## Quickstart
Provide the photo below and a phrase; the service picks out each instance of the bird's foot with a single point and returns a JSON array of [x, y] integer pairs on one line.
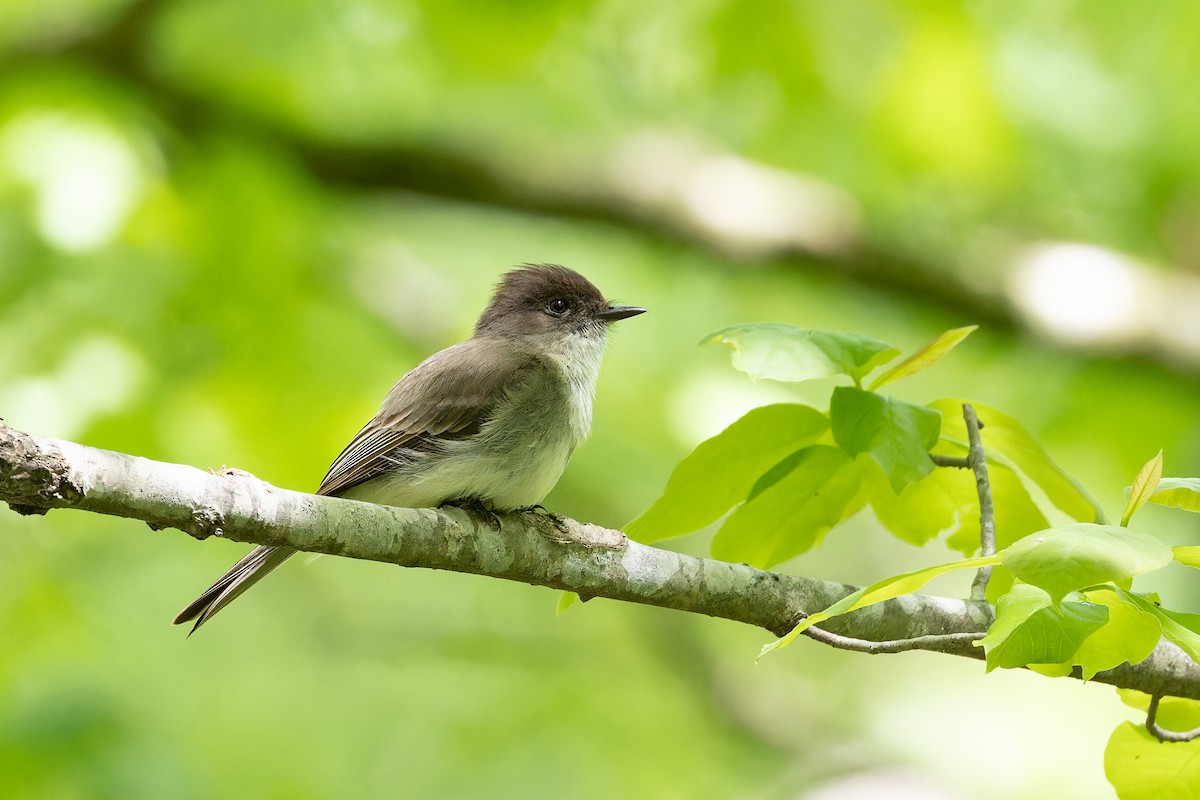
[[559, 521], [475, 506]]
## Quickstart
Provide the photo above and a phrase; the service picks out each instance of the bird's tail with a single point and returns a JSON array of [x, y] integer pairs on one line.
[[256, 565]]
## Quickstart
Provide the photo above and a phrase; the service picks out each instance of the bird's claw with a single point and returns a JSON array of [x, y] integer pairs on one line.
[[559, 521], [473, 505]]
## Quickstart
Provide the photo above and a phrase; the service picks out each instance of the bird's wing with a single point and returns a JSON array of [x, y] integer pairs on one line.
[[450, 395]]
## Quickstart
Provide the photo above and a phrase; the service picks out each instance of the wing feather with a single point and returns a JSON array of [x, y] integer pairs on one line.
[[449, 395]]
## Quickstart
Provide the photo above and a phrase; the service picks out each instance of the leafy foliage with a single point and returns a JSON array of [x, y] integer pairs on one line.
[[1142, 768], [1030, 628], [1062, 592], [789, 492]]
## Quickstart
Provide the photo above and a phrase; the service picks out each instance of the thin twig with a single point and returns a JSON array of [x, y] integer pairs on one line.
[[987, 514], [1162, 734], [958, 462], [890, 645]]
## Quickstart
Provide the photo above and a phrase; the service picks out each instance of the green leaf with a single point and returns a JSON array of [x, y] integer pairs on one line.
[[1006, 441], [1188, 556], [1029, 629], [946, 502], [1051, 670], [1140, 767], [1000, 584], [1182, 629], [787, 353], [1178, 493], [793, 513], [1134, 699], [1130, 635], [940, 503], [722, 470], [927, 356], [878, 592], [1143, 486], [565, 601], [898, 435], [1176, 627], [1072, 557]]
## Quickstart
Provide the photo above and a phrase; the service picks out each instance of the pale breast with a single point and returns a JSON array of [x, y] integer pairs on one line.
[[578, 360]]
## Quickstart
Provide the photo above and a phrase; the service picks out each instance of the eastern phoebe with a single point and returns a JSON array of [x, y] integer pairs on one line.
[[489, 421]]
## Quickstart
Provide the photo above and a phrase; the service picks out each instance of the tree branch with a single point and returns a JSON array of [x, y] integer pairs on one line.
[[37, 474]]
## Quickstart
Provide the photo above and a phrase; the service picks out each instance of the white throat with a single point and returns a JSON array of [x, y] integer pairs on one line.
[[578, 355]]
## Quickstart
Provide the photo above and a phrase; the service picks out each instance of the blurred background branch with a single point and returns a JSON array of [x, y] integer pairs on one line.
[[689, 194], [658, 185]]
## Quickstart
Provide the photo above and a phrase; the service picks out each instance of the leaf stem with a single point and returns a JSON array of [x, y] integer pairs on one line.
[[1162, 734]]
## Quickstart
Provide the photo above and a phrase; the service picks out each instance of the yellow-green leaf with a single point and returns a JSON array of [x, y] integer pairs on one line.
[[1182, 629], [565, 601], [1071, 557], [1188, 556], [1140, 767], [1130, 635], [820, 490], [927, 356], [1178, 493], [1144, 485], [722, 470], [1030, 629]]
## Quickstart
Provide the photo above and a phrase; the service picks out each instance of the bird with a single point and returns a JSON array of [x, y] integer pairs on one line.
[[489, 422]]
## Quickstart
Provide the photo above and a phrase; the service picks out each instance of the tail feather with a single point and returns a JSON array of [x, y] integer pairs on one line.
[[253, 567]]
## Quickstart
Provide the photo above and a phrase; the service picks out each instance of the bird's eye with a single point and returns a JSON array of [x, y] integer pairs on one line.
[[558, 306]]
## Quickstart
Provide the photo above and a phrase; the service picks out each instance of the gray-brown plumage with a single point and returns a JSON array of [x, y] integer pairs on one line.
[[492, 419]]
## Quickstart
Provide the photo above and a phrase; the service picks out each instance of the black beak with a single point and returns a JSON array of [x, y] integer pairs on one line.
[[614, 313]]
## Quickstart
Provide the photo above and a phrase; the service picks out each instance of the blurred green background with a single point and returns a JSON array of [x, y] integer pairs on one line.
[[227, 226]]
